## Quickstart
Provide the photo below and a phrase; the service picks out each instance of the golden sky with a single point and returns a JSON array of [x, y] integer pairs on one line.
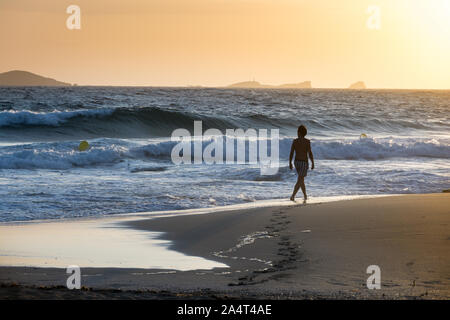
[[218, 42]]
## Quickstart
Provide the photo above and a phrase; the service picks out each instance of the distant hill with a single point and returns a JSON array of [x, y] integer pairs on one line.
[[247, 84], [358, 85], [301, 85], [24, 78], [256, 85]]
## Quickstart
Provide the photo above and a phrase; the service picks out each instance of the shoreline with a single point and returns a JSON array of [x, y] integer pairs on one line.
[[298, 251], [231, 207]]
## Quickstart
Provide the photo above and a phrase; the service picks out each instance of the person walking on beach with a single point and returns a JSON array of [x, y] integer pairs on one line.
[[302, 148]]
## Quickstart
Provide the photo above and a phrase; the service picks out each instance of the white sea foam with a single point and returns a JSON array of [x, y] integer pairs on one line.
[[55, 118], [65, 156]]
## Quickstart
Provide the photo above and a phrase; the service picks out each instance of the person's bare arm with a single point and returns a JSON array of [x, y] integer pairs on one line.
[[291, 155], [311, 155]]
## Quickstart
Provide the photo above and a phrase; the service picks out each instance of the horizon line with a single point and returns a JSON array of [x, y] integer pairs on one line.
[[229, 86], [221, 87]]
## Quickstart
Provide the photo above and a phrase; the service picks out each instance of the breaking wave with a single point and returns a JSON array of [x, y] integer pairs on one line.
[[64, 155]]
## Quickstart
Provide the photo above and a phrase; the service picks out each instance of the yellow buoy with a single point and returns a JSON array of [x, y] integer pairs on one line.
[[84, 145], [363, 135]]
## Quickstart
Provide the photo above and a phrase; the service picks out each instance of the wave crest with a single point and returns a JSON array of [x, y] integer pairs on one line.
[[141, 122], [108, 151]]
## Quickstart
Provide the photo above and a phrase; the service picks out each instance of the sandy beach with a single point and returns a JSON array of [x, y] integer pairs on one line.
[[311, 251]]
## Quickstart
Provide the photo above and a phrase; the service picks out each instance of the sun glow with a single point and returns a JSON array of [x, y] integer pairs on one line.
[[430, 21], [433, 15]]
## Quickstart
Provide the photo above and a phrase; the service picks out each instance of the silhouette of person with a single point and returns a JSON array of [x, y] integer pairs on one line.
[[302, 148]]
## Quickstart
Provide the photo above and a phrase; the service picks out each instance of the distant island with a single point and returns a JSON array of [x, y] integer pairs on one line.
[[25, 78], [358, 85], [257, 85]]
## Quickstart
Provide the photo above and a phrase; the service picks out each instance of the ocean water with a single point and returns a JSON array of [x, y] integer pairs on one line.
[[129, 169]]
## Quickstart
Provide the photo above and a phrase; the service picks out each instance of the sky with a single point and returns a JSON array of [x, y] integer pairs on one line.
[[219, 42]]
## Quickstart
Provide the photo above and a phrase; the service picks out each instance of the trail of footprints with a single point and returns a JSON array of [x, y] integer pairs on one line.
[[288, 253]]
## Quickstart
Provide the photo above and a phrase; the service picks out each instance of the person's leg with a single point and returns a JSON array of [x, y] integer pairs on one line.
[[297, 186], [302, 185]]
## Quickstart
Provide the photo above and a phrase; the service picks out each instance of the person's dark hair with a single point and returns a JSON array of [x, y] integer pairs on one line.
[[301, 132]]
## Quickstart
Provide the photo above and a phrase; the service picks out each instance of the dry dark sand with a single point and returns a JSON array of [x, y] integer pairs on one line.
[[318, 251]]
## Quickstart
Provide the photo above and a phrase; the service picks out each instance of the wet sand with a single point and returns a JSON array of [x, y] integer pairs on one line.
[[313, 251]]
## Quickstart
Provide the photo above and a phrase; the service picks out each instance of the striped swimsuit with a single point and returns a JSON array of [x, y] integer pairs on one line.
[[302, 167]]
